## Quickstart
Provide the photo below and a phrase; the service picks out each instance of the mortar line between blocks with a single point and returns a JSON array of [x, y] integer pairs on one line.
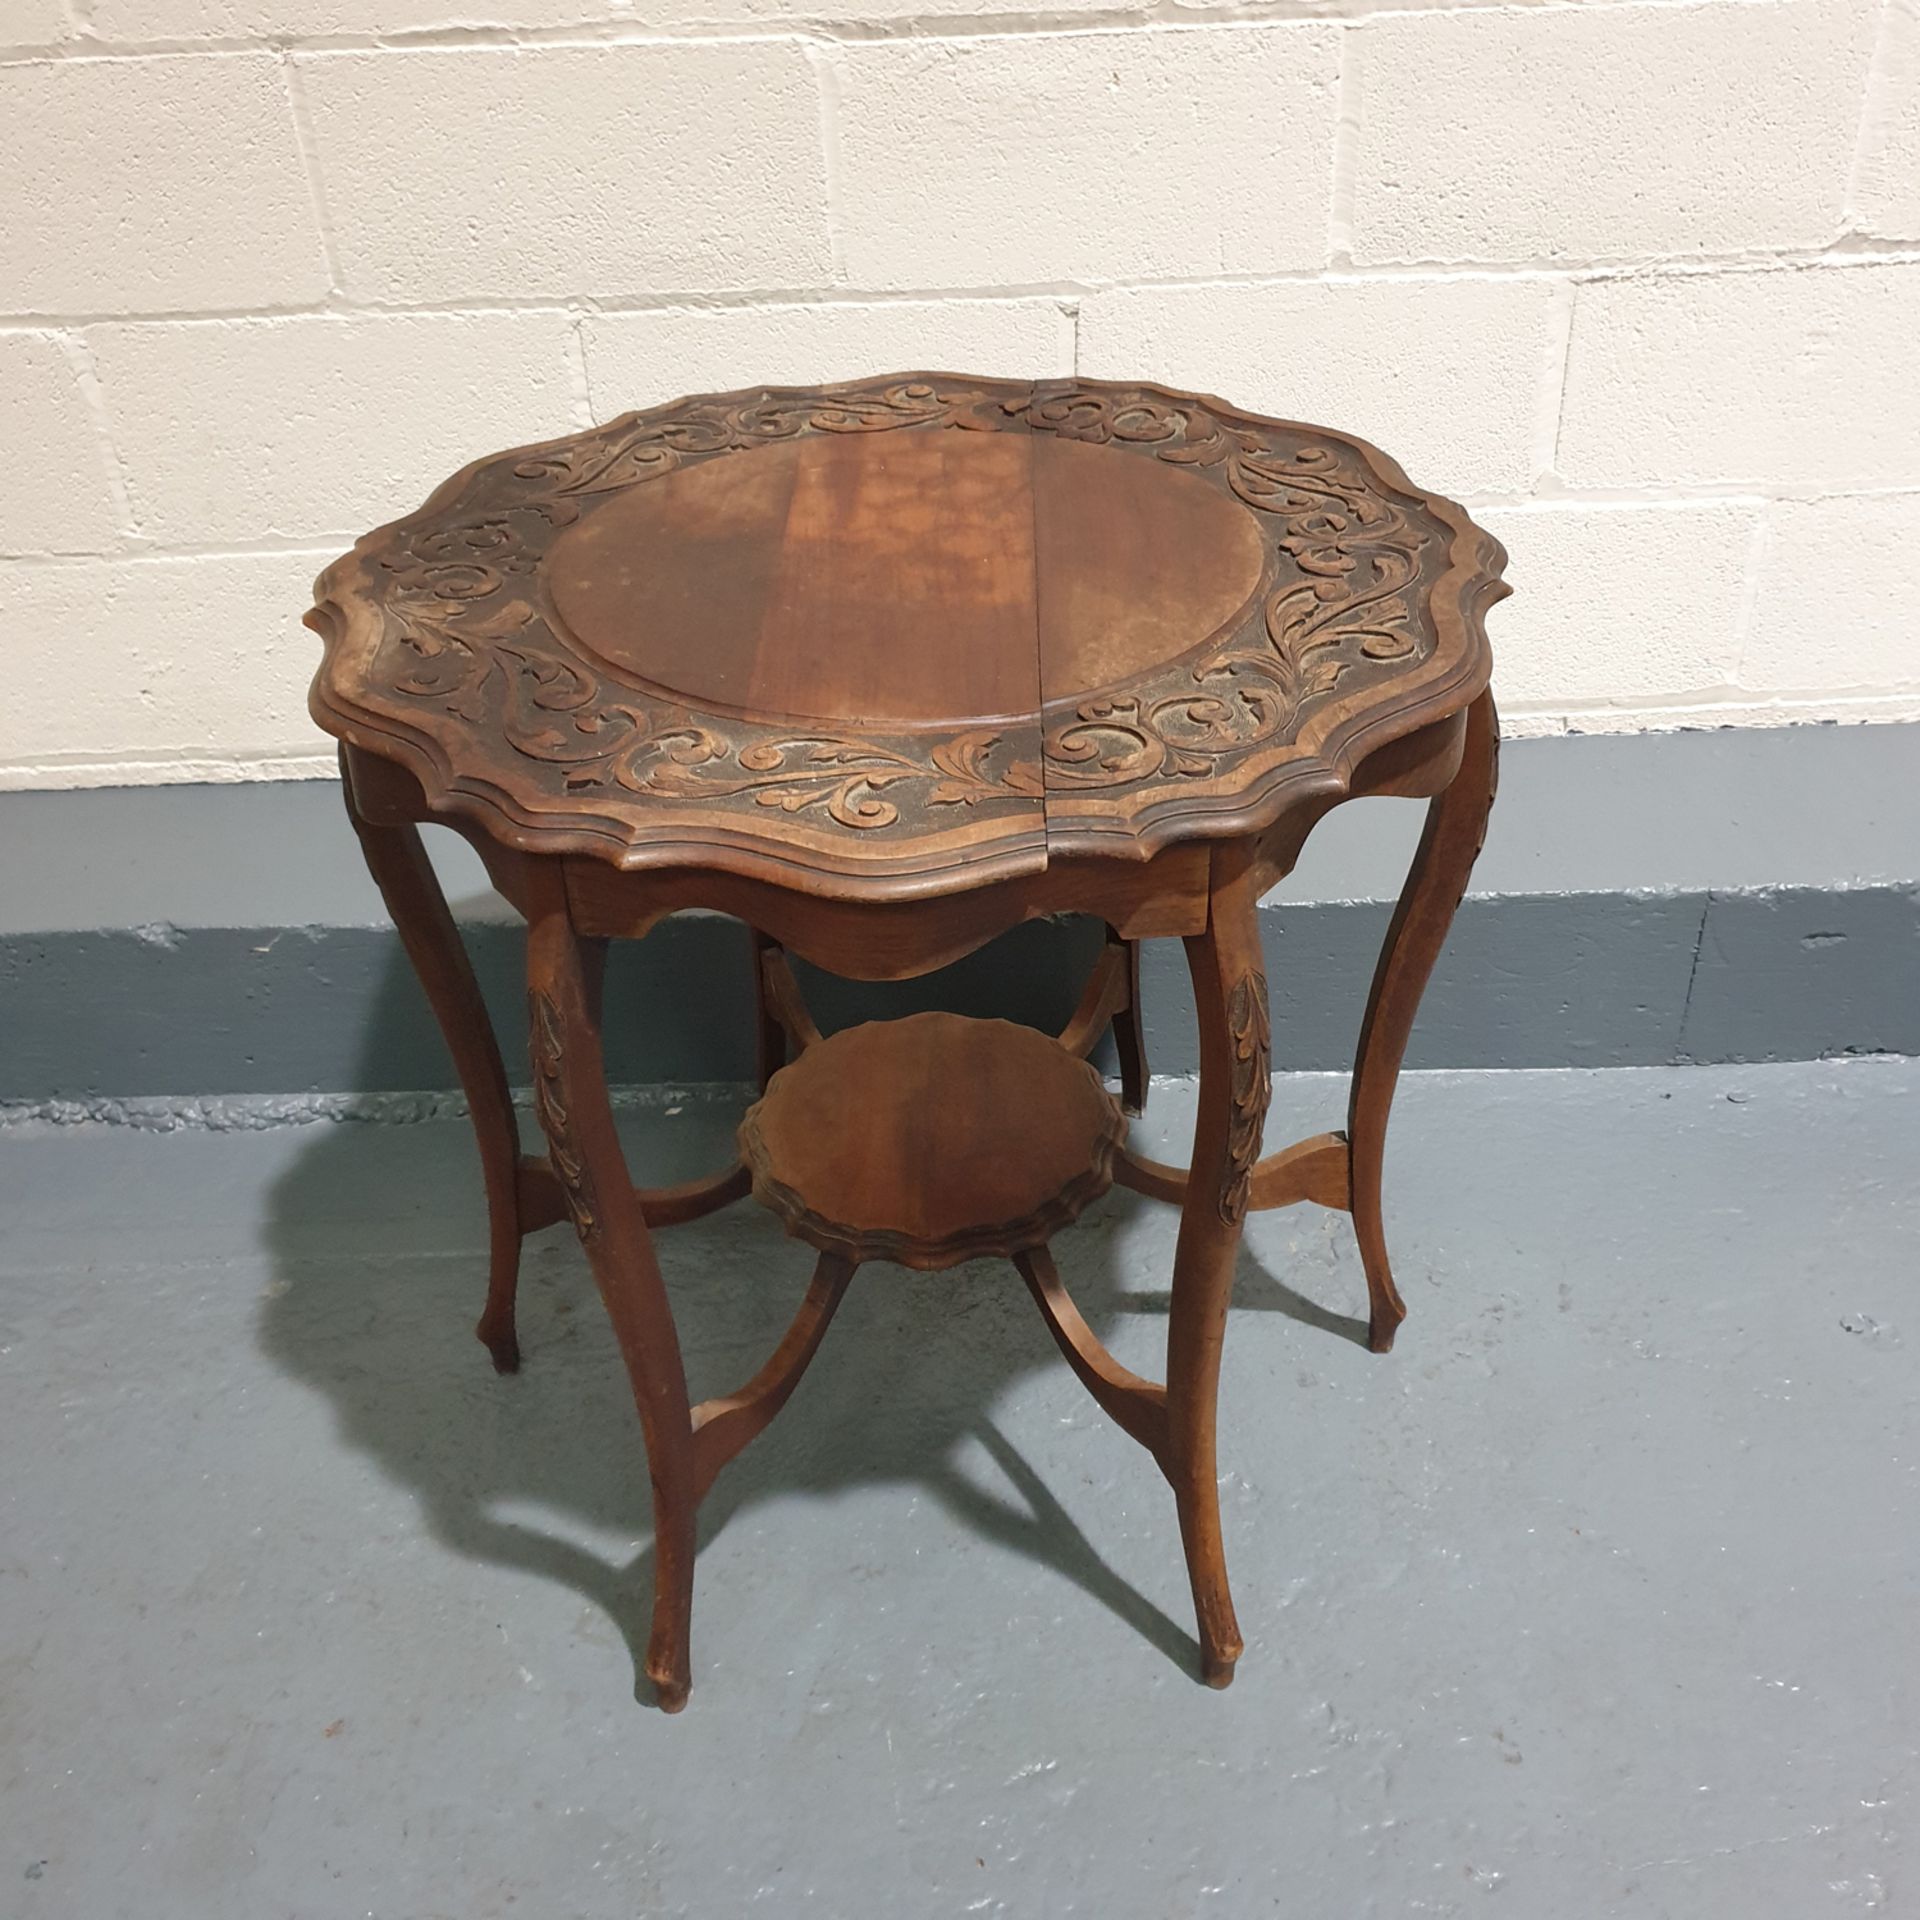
[[86, 378], [1759, 547], [323, 542], [1346, 152], [1550, 406], [1553, 719], [621, 26], [1842, 257], [826, 94], [62, 775], [1875, 88], [579, 370], [151, 553], [310, 165]]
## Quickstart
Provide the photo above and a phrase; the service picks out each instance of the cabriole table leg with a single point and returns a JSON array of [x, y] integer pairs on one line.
[[1230, 995], [564, 975], [1456, 827], [1129, 1032], [769, 1036], [405, 877]]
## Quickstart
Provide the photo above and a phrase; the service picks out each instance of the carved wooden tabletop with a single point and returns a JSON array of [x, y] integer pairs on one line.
[[905, 636], [882, 670]]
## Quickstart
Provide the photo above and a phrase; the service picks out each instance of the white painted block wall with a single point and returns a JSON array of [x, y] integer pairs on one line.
[[1639, 282]]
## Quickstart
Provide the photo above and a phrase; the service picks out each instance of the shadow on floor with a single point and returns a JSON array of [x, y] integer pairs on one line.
[[378, 1235]]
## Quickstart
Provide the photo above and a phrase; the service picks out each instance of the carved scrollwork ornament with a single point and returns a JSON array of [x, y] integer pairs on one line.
[[1250, 1087], [461, 660], [550, 1102], [1343, 592]]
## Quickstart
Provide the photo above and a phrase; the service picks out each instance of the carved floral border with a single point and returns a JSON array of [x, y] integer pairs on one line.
[[1351, 599], [464, 634]]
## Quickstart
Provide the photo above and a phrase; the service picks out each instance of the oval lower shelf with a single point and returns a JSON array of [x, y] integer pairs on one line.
[[932, 1140]]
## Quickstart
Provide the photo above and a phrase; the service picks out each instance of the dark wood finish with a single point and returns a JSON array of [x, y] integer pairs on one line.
[[769, 1032], [931, 1140], [1165, 897], [782, 1003], [542, 1200], [412, 893], [827, 550], [1455, 831], [1107, 991], [1136, 1405], [723, 1426], [1111, 999], [1314, 1169], [1230, 998], [564, 979], [883, 670], [689, 1200], [1172, 619], [1129, 1031]]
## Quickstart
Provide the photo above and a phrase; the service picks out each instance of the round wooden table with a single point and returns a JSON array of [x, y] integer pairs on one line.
[[882, 670]]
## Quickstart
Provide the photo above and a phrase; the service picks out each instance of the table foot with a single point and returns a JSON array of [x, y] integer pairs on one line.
[[499, 1336], [670, 1694], [1198, 1506], [1456, 827], [669, 1661], [1217, 1670]]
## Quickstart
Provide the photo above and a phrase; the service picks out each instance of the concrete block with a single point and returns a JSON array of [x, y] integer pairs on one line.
[[321, 425], [1798, 379], [1794, 975], [1838, 597], [601, 170], [298, 19], [130, 670], [1887, 198], [1040, 158], [53, 483], [252, 1010], [143, 185], [1443, 374], [34, 23], [1619, 604], [640, 359], [1579, 980], [1606, 132]]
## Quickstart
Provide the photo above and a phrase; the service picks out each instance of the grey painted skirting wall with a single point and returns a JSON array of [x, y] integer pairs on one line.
[[1721, 897]]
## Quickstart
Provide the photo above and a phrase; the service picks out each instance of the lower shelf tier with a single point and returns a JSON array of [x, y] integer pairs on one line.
[[932, 1140]]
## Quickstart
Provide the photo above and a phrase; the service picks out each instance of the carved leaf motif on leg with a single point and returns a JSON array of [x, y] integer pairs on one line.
[[1249, 1031], [550, 1102]]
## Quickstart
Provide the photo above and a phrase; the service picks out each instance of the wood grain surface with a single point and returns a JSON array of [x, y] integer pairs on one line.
[[932, 1140], [904, 636]]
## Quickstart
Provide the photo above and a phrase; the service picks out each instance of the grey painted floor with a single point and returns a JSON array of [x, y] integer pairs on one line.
[[1594, 1599]]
